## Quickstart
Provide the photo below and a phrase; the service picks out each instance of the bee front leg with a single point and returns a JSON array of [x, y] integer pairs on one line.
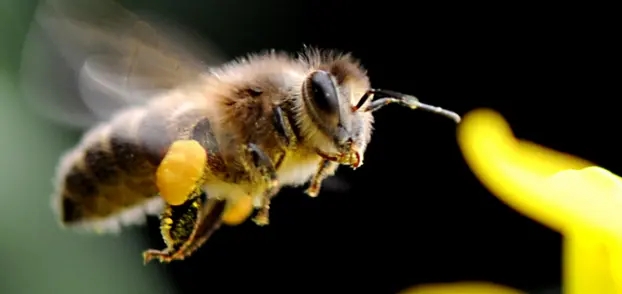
[[325, 169], [283, 128], [267, 173]]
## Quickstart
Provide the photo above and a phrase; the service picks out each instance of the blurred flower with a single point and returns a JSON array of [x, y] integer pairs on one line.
[[566, 193], [461, 288]]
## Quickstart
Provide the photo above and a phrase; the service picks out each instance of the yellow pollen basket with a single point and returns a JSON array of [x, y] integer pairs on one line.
[[180, 171], [237, 212]]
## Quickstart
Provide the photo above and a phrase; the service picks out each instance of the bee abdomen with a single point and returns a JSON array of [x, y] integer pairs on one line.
[[108, 179]]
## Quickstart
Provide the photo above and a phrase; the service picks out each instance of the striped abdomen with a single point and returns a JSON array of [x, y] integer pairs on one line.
[[109, 178]]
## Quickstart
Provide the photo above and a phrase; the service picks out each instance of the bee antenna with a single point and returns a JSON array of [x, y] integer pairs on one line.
[[388, 97]]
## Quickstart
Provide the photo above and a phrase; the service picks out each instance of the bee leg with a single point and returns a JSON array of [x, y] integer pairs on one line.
[[186, 227], [268, 174], [283, 127], [208, 224], [325, 168], [177, 226], [405, 100]]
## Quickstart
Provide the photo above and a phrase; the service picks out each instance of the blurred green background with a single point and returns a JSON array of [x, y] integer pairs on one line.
[[36, 256], [29, 149]]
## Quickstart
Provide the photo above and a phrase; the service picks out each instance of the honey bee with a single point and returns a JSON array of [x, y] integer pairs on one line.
[[193, 142]]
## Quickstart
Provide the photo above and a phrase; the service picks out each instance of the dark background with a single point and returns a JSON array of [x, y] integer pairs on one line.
[[415, 213]]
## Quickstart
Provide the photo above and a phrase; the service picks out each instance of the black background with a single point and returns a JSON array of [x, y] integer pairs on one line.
[[415, 213]]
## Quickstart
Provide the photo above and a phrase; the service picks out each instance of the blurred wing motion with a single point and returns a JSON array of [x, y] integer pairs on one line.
[[83, 60]]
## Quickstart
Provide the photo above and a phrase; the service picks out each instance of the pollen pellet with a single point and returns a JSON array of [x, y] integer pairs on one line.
[[180, 171], [237, 212]]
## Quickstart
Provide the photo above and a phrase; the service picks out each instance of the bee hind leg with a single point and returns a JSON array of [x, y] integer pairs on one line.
[[177, 226], [268, 173], [186, 227]]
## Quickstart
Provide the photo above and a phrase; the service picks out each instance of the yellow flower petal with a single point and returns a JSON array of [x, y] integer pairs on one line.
[[461, 288], [587, 265], [559, 190], [518, 173]]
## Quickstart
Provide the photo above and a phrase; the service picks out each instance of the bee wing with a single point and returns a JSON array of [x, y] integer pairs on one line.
[[84, 60]]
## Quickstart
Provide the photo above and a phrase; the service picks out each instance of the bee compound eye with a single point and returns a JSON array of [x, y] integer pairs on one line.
[[323, 92]]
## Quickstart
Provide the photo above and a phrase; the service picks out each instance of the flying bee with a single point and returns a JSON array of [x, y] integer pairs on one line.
[[194, 142]]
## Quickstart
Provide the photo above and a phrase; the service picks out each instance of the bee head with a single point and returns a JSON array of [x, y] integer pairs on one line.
[[330, 94]]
